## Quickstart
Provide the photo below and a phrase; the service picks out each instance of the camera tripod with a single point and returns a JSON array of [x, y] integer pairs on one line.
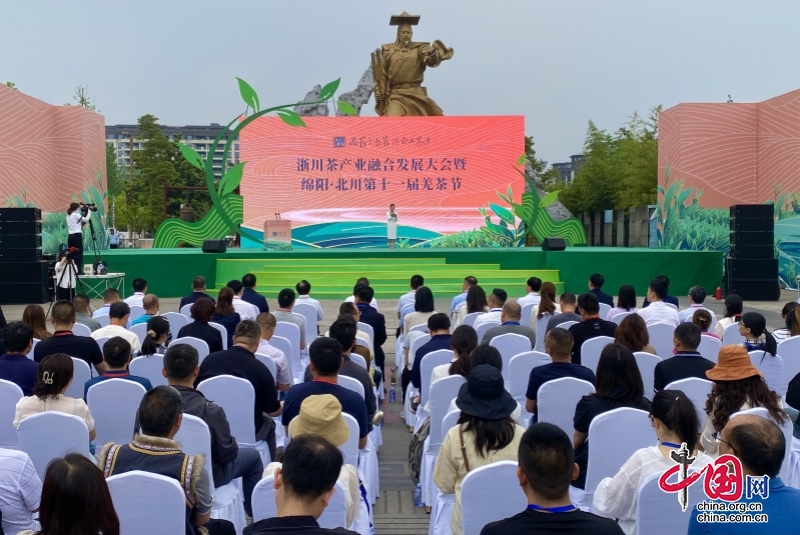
[[70, 264]]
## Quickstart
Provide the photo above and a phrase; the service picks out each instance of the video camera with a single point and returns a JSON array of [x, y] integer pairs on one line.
[[70, 253], [86, 207]]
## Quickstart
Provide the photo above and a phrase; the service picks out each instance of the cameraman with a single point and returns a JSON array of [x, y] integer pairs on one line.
[[76, 218], [66, 272]]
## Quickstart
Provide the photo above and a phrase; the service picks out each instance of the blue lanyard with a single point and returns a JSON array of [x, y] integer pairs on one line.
[[671, 445], [561, 509]]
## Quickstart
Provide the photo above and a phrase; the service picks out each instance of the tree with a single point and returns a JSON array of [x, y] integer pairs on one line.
[[114, 179], [81, 96], [551, 180], [538, 165], [12, 85]]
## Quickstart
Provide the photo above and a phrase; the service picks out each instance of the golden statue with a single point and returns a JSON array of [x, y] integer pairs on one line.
[[399, 67]]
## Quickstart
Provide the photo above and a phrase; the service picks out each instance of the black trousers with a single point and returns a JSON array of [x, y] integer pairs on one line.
[[76, 240], [217, 526]]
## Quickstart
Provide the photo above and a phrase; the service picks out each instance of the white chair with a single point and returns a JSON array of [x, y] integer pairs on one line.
[[10, 394], [450, 421], [140, 330], [269, 363], [222, 331], [80, 374], [787, 429], [176, 321], [660, 512], [80, 329], [186, 310], [33, 346], [411, 391], [772, 368], [510, 345], [150, 368], [415, 345], [617, 318], [519, 370], [647, 363], [556, 401], [789, 351], [591, 350], [334, 516], [566, 325], [148, 503], [697, 390], [731, 336], [367, 328], [358, 359], [428, 363], [709, 348], [350, 448], [103, 319], [136, 311], [52, 434], [309, 312], [291, 332], [421, 328], [469, 319], [490, 493], [195, 438], [541, 331], [525, 315], [113, 404], [200, 345], [604, 310], [100, 342], [354, 385], [483, 327], [661, 338], [361, 342]]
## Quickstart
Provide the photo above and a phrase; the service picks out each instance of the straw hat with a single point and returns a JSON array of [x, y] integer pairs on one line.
[[321, 416], [733, 364]]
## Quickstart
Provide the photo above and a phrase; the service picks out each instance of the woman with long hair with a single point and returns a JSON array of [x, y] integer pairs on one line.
[[675, 422], [547, 305], [463, 343], [423, 309], [626, 301], [485, 434], [33, 315], [753, 326], [157, 334], [225, 314], [790, 321], [75, 500], [202, 311], [619, 384], [632, 333], [476, 302], [733, 311], [702, 318], [738, 385]]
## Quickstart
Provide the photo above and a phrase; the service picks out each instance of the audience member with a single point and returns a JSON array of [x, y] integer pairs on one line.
[[469, 282], [304, 485], [510, 324], [303, 290], [75, 499], [558, 345], [697, 296], [139, 289], [670, 299], [117, 355], [374, 319], [596, 282], [362, 281], [202, 311], [761, 447], [110, 296], [408, 298], [569, 303], [286, 301], [475, 302], [532, 287], [240, 360], [687, 362], [33, 315], [225, 314], [753, 326], [463, 343], [791, 324], [151, 308], [250, 295], [228, 461], [733, 312], [626, 301], [658, 311], [619, 384], [326, 360], [423, 309], [63, 341], [675, 422], [738, 385], [245, 310], [118, 316], [15, 366], [632, 333], [283, 371], [83, 312], [496, 301], [591, 325], [153, 450], [546, 468], [547, 305], [485, 434], [53, 378], [702, 318], [155, 339], [439, 330], [20, 491], [355, 313], [198, 292]]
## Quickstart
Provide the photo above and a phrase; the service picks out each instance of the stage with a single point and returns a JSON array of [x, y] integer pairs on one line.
[[332, 272]]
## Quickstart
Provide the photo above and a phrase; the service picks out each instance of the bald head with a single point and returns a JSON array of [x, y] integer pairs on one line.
[[757, 442], [150, 303], [511, 311]]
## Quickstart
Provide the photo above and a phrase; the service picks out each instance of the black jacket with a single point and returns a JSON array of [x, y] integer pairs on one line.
[[192, 297], [205, 332], [603, 297], [254, 298], [304, 525], [375, 319]]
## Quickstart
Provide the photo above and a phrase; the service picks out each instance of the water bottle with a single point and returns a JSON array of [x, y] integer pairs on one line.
[[392, 395], [418, 495]]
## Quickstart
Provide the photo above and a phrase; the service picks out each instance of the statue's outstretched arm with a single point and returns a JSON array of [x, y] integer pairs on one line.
[[436, 53]]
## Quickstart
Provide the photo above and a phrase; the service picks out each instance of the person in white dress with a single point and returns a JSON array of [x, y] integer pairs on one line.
[[391, 226]]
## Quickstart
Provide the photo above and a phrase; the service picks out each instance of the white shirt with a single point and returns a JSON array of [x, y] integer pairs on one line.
[[20, 490], [487, 317], [311, 301], [405, 300], [687, 313], [659, 312], [373, 303], [245, 310], [135, 300], [616, 497], [65, 275], [533, 298], [110, 331], [281, 365], [74, 221]]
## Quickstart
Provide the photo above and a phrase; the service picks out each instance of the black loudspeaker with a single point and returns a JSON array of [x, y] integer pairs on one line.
[[753, 225], [20, 214], [554, 244], [23, 293], [752, 280], [748, 239], [754, 252], [745, 268], [19, 255], [752, 211], [214, 246], [24, 272], [20, 241], [9, 228]]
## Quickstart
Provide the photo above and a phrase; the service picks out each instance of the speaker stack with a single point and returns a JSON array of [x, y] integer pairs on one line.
[[751, 269], [23, 275]]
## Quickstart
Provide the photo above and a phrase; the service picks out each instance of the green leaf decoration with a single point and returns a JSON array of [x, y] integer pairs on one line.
[[550, 198], [291, 118], [346, 108], [503, 197], [248, 94], [230, 180], [329, 90], [191, 155], [510, 193], [521, 160], [503, 213], [528, 210]]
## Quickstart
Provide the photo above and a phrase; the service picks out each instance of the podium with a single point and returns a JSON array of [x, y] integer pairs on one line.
[[278, 234]]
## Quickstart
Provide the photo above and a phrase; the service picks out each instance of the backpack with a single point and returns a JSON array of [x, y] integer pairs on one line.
[[415, 449]]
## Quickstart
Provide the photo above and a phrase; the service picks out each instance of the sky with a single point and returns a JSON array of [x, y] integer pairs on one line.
[[560, 63]]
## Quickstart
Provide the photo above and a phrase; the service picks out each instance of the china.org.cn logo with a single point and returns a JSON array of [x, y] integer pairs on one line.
[[722, 479]]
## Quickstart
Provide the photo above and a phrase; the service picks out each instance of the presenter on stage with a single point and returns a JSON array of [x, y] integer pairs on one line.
[[391, 226], [75, 222]]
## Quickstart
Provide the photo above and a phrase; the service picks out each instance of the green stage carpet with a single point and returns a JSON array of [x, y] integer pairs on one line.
[[332, 272]]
